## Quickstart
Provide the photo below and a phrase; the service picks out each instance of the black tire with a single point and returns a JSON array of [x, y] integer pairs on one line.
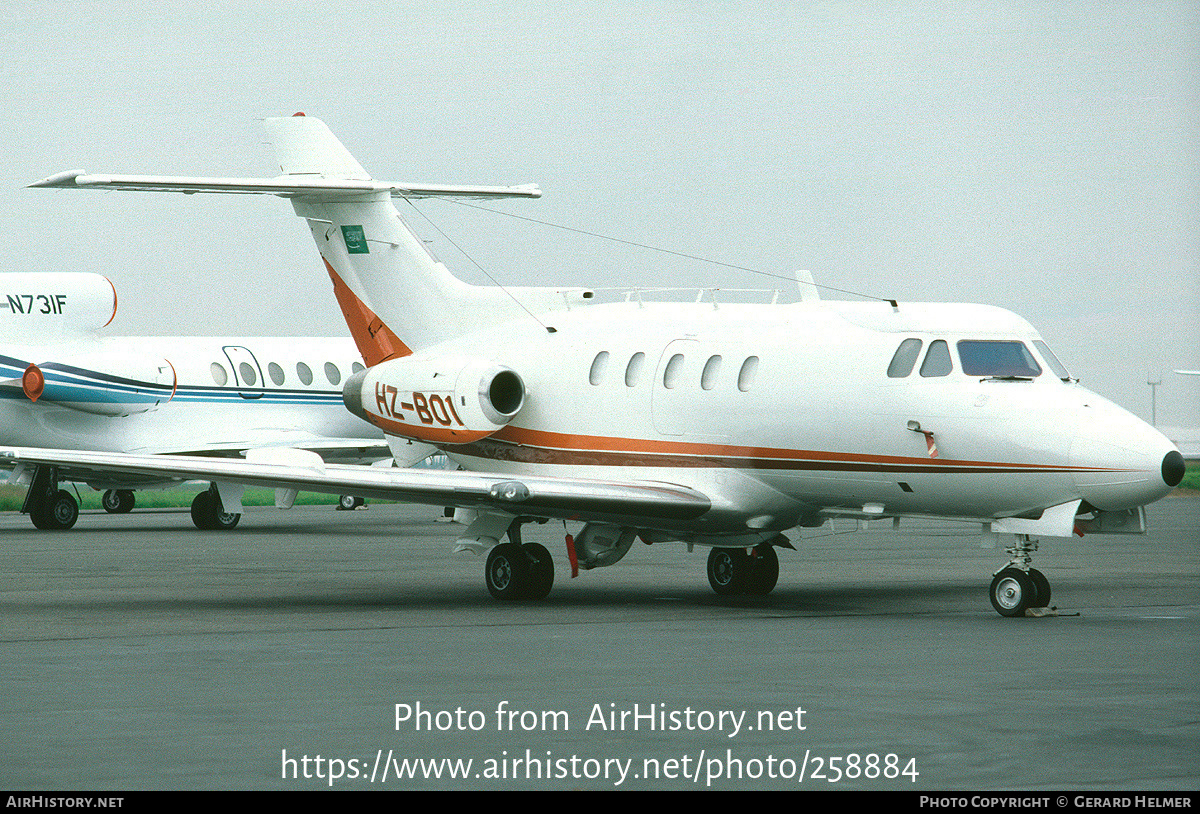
[[764, 570], [207, 514], [202, 510], [57, 512], [507, 572], [541, 570], [63, 510], [728, 570], [117, 501], [349, 503], [1042, 585], [39, 513], [1012, 592]]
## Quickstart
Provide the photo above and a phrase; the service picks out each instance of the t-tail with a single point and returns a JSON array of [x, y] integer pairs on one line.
[[397, 298]]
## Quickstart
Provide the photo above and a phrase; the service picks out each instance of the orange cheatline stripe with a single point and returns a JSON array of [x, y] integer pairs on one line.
[[375, 340], [519, 443]]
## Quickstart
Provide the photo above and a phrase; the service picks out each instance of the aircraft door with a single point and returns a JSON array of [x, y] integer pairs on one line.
[[247, 373], [668, 397]]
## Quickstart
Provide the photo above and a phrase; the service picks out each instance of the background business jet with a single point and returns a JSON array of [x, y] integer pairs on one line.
[[714, 424], [64, 384]]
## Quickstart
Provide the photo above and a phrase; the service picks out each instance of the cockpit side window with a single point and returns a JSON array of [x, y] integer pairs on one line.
[[997, 358], [937, 360], [1052, 360], [905, 358]]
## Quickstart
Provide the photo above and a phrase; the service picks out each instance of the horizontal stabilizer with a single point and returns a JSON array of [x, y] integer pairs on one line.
[[285, 186]]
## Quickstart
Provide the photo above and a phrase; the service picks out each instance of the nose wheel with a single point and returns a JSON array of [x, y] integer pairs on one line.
[[1016, 588]]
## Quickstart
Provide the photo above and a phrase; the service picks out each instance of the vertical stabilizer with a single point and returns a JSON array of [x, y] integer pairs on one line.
[[395, 297]]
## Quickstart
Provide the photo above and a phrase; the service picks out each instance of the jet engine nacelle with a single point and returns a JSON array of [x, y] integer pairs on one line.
[[49, 305], [113, 384], [443, 400]]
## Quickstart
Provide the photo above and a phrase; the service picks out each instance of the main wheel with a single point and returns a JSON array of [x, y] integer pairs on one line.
[[207, 514], [728, 570], [1012, 592], [507, 571], [764, 570], [349, 502], [117, 501], [541, 570], [58, 512]]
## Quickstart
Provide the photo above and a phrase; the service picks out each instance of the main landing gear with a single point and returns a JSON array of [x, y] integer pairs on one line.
[[118, 501], [1016, 587], [208, 514], [515, 571], [49, 507], [751, 571]]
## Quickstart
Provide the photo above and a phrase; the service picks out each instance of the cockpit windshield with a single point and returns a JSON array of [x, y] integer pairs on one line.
[[998, 358], [1052, 360]]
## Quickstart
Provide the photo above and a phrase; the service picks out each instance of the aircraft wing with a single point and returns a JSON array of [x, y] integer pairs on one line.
[[559, 498]]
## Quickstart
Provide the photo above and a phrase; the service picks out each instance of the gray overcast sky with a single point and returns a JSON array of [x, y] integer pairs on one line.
[[1040, 156]]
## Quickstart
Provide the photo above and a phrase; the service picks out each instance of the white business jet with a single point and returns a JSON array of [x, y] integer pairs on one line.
[[64, 384], [721, 425]]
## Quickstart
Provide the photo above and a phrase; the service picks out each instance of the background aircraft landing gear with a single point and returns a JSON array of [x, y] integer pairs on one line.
[[57, 512], [348, 503], [1017, 587], [117, 501], [516, 571], [50, 508], [737, 571], [207, 514]]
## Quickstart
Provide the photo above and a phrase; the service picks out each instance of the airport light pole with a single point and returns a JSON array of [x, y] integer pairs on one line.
[[1153, 399]]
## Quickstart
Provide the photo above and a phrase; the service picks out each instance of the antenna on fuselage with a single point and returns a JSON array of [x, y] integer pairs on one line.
[[807, 286]]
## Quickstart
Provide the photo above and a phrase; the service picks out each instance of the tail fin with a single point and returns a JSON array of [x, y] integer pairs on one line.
[[396, 297]]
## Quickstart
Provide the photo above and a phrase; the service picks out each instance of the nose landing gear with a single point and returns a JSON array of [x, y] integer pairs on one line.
[[1016, 587]]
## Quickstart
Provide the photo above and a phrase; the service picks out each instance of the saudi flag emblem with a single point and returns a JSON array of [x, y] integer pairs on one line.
[[356, 241]]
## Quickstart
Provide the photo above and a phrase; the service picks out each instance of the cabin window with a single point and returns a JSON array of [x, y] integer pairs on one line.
[[599, 365], [905, 358], [997, 358], [709, 376], [249, 377], [304, 372], [747, 373], [633, 370], [937, 361], [1052, 360], [357, 367], [219, 375], [332, 373], [671, 373], [276, 373]]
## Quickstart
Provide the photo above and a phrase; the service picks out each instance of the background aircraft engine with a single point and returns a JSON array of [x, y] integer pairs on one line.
[[453, 400], [45, 304], [112, 384]]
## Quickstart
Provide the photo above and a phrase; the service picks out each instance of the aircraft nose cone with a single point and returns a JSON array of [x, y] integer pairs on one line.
[[1173, 468], [1121, 462]]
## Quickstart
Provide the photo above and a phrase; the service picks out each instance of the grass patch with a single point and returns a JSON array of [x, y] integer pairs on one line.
[[1191, 478]]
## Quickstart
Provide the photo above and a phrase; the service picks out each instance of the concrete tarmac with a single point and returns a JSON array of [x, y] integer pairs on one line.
[[350, 650]]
